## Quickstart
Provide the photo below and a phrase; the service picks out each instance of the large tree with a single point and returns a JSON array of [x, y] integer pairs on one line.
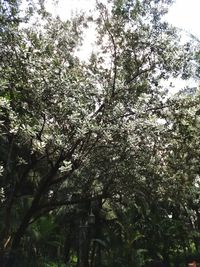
[[76, 132]]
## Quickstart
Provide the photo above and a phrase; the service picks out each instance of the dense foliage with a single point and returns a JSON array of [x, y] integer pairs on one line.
[[98, 165]]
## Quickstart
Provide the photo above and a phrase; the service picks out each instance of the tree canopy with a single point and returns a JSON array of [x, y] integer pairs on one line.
[[99, 166]]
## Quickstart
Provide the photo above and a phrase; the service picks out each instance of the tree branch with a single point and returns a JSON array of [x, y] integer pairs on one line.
[[106, 21], [138, 73]]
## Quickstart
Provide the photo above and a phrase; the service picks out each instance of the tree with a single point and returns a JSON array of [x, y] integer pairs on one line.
[[76, 132]]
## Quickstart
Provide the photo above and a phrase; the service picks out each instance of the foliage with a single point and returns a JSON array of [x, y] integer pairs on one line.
[[96, 139]]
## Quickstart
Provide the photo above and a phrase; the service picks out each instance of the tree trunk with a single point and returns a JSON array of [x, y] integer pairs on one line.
[[92, 262], [10, 261], [98, 256], [3, 258], [83, 259], [68, 243]]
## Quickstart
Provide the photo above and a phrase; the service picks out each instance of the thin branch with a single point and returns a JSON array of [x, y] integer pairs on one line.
[[102, 106], [138, 73], [106, 21], [39, 134], [149, 109]]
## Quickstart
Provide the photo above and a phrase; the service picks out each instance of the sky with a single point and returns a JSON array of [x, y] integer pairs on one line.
[[184, 14]]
